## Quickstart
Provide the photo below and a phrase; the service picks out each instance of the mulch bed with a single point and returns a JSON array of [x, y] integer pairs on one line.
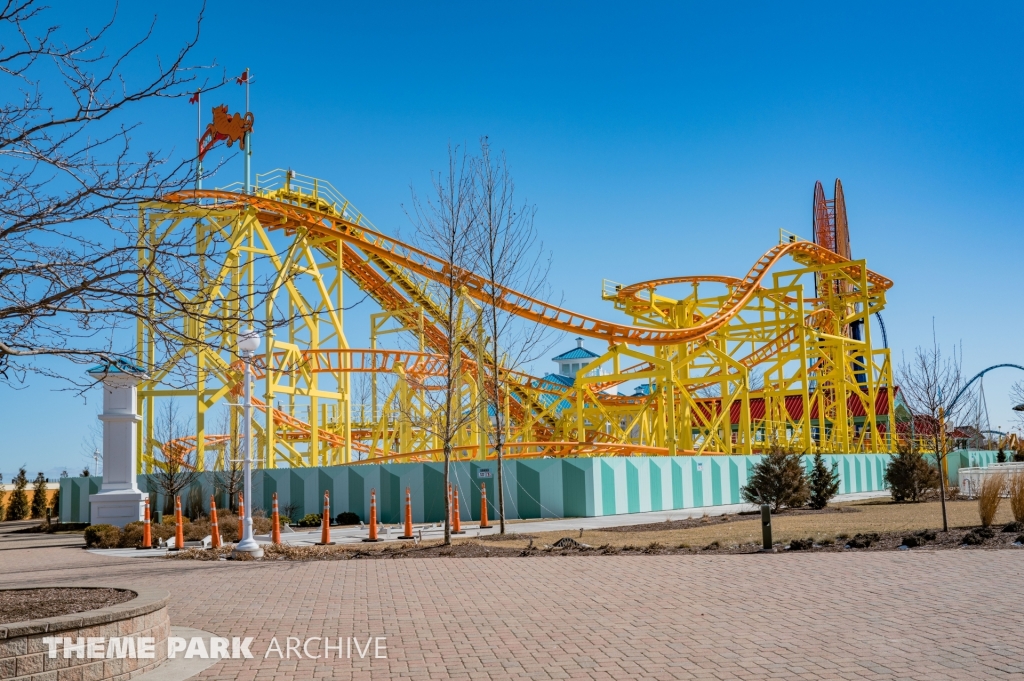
[[924, 541], [705, 521], [32, 604]]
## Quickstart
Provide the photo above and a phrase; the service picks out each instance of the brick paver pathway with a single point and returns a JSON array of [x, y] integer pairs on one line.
[[867, 615]]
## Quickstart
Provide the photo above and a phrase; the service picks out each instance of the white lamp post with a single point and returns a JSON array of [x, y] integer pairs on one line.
[[248, 343]]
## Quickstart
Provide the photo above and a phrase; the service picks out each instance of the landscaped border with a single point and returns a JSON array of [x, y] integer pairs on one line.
[[24, 656]]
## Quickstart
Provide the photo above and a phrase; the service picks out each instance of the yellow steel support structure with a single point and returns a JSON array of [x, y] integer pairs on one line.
[[726, 364]]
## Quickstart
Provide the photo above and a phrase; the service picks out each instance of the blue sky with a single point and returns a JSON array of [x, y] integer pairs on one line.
[[655, 139]]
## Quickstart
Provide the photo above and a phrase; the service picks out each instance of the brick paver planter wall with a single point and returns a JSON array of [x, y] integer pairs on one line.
[[25, 650]]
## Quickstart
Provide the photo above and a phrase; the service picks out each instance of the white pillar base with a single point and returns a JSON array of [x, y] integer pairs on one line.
[[117, 507], [255, 553]]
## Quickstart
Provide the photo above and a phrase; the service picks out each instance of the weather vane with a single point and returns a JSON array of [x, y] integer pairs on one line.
[[227, 127]]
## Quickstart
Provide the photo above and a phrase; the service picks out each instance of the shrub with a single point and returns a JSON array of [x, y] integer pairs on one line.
[[131, 535], [863, 541], [973, 539], [925, 535], [283, 519], [824, 483], [778, 480], [310, 520], [801, 544], [989, 498], [912, 542], [1018, 455], [39, 496], [102, 537], [1001, 456], [1015, 526], [1016, 493], [910, 476], [348, 518], [17, 508]]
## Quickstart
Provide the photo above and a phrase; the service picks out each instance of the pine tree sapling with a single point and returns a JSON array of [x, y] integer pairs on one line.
[[1000, 456], [824, 482], [909, 476], [39, 496], [18, 509], [778, 480]]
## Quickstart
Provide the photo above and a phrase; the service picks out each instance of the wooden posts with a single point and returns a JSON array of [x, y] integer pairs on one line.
[[766, 527]]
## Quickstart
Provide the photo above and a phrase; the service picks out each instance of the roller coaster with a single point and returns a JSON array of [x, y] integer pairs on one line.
[[719, 364]]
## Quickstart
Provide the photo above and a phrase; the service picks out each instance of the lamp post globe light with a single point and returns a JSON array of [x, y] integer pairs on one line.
[[248, 343]]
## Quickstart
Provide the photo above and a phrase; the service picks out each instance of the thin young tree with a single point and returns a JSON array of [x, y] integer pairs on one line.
[[39, 496], [175, 468], [17, 506], [446, 226], [229, 480], [509, 256], [929, 382]]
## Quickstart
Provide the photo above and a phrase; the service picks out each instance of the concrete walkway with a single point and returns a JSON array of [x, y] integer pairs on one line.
[[857, 616]]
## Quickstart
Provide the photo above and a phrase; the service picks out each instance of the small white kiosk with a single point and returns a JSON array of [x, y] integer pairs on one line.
[[120, 501]]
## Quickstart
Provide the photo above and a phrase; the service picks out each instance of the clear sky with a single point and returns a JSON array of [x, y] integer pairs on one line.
[[655, 139]]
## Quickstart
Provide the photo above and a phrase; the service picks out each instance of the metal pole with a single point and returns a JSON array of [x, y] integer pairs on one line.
[[199, 139], [248, 544], [248, 141]]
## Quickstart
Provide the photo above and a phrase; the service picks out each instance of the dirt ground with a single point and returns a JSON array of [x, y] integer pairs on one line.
[[30, 604], [883, 523], [874, 515]]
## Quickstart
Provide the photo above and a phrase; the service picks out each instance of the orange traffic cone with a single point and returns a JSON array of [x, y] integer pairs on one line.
[[456, 525], [214, 527], [483, 507], [179, 525], [325, 522], [275, 532], [147, 532], [373, 516], [408, 515]]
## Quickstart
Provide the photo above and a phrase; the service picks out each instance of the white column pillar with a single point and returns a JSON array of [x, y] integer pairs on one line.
[[120, 501]]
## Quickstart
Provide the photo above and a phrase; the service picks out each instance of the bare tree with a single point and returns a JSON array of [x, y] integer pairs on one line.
[[71, 181], [446, 225], [509, 256], [930, 382], [1017, 399], [176, 467], [228, 479]]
